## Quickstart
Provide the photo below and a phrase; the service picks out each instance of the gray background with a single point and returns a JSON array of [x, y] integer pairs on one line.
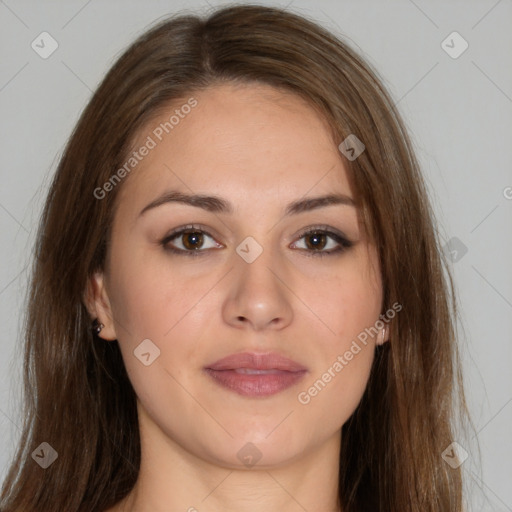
[[459, 112]]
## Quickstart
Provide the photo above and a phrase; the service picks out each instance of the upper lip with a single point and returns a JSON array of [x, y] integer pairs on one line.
[[257, 361]]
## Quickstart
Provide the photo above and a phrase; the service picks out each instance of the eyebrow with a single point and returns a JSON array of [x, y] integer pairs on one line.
[[216, 204]]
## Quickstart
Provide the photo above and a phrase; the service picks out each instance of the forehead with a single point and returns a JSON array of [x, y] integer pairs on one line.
[[240, 140]]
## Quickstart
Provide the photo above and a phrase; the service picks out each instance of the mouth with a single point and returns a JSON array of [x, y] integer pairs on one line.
[[256, 375]]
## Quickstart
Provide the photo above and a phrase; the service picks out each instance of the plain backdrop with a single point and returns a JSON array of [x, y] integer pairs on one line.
[[457, 105]]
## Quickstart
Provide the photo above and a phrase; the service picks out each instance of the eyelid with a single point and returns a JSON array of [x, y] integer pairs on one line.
[[321, 228], [343, 241], [176, 232], [339, 237]]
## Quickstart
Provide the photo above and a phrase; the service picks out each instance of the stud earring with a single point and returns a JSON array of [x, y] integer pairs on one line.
[[96, 326], [382, 339]]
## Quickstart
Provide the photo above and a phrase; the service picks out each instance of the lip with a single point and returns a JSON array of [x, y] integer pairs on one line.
[[256, 375]]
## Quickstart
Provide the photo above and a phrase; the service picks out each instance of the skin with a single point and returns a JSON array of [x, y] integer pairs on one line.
[[259, 149]]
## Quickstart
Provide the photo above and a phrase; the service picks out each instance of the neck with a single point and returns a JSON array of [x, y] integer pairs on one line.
[[173, 478]]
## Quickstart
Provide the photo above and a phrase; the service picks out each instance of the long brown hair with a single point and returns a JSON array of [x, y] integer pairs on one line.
[[78, 397]]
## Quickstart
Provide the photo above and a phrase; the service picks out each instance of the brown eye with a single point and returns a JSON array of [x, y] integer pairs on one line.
[[320, 241], [189, 241], [192, 239], [316, 241]]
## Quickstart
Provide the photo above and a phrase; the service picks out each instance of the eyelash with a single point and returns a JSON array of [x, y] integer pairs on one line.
[[344, 244]]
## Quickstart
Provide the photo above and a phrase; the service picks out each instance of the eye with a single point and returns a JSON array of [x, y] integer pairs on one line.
[[190, 241], [317, 240]]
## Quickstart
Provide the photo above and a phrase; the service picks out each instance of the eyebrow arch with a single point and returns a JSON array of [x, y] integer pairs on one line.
[[216, 204]]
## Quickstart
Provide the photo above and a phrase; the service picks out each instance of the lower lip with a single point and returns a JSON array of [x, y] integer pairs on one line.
[[256, 385]]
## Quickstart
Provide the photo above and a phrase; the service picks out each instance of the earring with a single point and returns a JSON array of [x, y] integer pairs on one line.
[[383, 339], [96, 326]]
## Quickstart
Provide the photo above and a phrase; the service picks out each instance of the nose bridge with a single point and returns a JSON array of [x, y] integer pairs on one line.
[[258, 295], [256, 259]]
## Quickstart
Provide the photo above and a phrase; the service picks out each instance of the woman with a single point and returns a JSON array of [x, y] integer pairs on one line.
[[239, 300]]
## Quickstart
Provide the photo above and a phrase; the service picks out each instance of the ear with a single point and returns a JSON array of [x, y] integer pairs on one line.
[[383, 335], [98, 305]]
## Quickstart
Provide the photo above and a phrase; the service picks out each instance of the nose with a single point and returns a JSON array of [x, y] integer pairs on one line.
[[258, 295]]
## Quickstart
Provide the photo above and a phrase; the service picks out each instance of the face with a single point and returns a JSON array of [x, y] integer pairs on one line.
[[251, 274]]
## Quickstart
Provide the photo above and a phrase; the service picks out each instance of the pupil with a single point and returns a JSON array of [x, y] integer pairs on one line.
[[192, 240], [319, 240]]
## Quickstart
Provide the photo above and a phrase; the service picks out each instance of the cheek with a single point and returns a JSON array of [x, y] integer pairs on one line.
[[346, 353], [348, 306], [345, 303], [338, 387], [151, 297], [151, 301]]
